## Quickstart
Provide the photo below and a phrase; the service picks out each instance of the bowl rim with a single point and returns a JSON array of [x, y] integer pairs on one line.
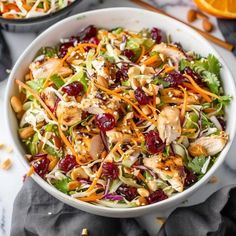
[[102, 209], [38, 19]]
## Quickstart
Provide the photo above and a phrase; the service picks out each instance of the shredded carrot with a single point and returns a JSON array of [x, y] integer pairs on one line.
[[174, 100], [141, 54], [80, 47], [151, 60], [91, 198], [125, 99], [63, 137], [199, 89], [168, 69], [45, 5], [95, 180], [141, 177], [30, 171], [47, 81], [185, 130], [89, 89], [31, 75], [209, 110], [190, 86], [134, 128], [27, 7], [184, 106]]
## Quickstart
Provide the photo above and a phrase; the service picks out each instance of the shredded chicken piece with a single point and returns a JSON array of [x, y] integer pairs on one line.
[[115, 136], [170, 51], [169, 169], [68, 113], [96, 146], [49, 97], [49, 67], [212, 144], [168, 124]]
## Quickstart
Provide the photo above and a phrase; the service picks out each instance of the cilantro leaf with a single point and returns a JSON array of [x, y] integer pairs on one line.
[[214, 65], [224, 100], [208, 68], [212, 81], [183, 64], [196, 164]]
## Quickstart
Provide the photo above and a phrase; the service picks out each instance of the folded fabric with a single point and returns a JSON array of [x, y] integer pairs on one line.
[[214, 217], [38, 213], [5, 58], [228, 29]]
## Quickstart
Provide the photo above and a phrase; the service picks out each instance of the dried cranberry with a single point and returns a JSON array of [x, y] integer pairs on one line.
[[110, 170], [156, 196], [128, 53], [154, 143], [94, 40], [105, 121], [67, 163], [190, 177], [128, 192], [156, 34], [175, 79], [222, 122], [122, 73], [194, 75], [41, 166], [141, 97], [88, 33], [64, 48], [73, 89]]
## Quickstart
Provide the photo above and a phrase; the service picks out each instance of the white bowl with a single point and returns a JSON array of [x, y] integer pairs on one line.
[[134, 19]]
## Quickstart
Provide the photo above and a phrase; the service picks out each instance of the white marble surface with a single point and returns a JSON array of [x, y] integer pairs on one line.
[[11, 181]]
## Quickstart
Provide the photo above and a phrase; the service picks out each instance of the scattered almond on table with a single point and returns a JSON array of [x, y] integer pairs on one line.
[[207, 25], [161, 220], [6, 164], [193, 15], [213, 180], [9, 149], [84, 232]]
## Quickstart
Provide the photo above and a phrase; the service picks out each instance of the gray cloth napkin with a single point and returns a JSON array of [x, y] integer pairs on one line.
[[37, 213], [228, 29], [214, 217], [5, 58]]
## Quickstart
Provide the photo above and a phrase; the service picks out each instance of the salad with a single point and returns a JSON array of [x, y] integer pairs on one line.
[[15, 9], [121, 118]]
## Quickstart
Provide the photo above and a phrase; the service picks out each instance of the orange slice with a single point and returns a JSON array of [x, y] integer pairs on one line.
[[218, 8]]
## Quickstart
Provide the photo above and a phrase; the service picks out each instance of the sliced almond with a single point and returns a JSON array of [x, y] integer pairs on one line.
[[9, 149], [6, 164]]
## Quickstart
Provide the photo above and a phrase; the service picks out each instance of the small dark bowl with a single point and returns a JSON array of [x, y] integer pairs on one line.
[[36, 24]]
